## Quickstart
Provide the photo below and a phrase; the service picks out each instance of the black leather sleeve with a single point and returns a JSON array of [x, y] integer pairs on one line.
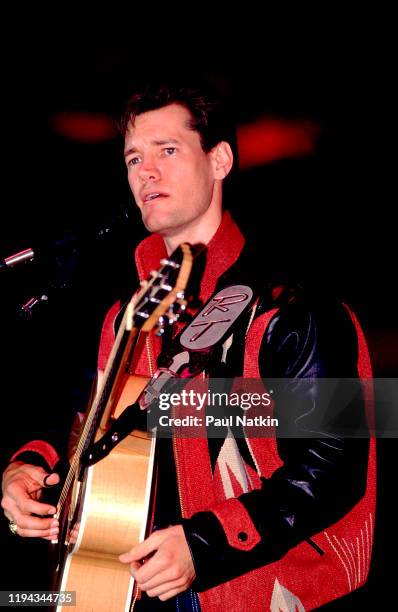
[[321, 478]]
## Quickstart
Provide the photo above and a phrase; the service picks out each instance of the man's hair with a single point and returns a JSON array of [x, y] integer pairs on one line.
[[211, 116]]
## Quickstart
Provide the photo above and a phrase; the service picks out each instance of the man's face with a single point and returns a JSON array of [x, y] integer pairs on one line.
[[171, 177]]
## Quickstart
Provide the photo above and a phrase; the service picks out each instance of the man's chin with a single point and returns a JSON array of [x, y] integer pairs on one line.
[[158, 226], [154, 227]]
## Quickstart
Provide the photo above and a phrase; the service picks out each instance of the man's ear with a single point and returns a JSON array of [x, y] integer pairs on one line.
[[222, 159]]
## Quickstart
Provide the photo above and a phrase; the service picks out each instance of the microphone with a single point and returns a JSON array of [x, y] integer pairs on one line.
[[76, 240], [17, 258], [57, 259]]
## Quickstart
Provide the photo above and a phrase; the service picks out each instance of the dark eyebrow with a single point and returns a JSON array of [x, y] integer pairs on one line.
[[164, 141]]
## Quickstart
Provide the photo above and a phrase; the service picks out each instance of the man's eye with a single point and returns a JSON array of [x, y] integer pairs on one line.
[[169, 151], [133, 161]]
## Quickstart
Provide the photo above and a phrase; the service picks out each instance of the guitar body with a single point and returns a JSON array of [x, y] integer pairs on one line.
[[107, 515]]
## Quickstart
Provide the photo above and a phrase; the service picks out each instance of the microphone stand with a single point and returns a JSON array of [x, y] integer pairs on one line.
[[27, 309], [63, 255]]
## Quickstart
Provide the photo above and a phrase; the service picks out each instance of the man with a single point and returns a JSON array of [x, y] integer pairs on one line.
[[260, 524]]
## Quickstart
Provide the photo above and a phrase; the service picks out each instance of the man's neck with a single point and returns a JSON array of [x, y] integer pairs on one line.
[[200, 234]]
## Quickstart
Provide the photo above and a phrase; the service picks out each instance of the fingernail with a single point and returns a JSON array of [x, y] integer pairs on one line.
[[54, 530]]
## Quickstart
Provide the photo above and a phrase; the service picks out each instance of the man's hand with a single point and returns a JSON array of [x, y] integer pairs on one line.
[[22, 488], [169, 570]]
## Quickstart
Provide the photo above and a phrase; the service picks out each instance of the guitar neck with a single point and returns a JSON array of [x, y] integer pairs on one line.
[[107, 395], [113, 379]]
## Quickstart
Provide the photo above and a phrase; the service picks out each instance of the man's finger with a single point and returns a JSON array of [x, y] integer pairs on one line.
[[39, 475], [134, 567], [31, 506], [161, 582], [34, 523], [36, 533], [43, 478], [143, 549], [151, 570], [170, 594], [27, 506], [50, 480]]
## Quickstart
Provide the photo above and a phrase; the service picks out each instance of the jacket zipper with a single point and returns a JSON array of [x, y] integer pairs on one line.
[[150, 355], [178, 472]]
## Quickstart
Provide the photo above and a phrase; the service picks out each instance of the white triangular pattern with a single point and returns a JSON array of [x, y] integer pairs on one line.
[[229, 457], [283, 600]]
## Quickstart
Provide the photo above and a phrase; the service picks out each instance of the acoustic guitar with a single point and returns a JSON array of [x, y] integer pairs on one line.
[[105, 505]]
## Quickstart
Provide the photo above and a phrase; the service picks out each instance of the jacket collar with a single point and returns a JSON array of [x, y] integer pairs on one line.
[[221, 252]]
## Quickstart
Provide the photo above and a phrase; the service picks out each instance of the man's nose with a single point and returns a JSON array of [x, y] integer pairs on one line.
[[149, 170]]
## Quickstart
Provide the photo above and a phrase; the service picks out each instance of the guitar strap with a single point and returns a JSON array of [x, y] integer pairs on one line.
[[186, 357]]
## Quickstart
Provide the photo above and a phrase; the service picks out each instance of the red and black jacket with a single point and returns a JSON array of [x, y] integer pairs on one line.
[[270, 518]]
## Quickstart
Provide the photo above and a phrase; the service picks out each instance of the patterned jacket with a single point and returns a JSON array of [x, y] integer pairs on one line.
[[272, 523]]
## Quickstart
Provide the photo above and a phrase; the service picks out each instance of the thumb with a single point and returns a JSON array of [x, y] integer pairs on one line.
[[50, 480]]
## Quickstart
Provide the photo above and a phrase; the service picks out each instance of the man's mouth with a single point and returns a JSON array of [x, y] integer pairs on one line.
[[153, 196]]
